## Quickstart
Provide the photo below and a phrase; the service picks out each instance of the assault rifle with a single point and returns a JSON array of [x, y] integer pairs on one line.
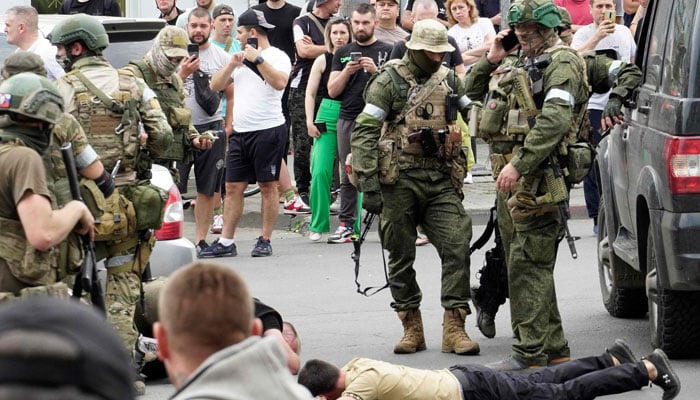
[[87, 279], [563, 205]]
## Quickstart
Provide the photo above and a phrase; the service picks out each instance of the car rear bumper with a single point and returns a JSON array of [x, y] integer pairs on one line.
[[169, 255], [680, 239]]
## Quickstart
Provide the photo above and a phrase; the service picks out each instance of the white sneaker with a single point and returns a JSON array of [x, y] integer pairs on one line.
[[469, 179], [335, 206], [296, 206], [217, 224], [314, 236]]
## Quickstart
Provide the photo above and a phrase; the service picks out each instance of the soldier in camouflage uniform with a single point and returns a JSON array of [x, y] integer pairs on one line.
[[31, 226], [604, 74], [527, 116], [409, 165], [112, 106]]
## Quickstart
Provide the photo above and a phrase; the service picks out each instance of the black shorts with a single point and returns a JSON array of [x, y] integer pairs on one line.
[[209, 164], [256, 156]]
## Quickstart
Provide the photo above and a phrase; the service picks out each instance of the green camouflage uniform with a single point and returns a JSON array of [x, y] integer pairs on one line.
[[424, 194], [126, 259], [531, 242]]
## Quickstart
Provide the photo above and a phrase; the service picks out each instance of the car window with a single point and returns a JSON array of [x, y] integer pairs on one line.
[[655, 46], [119, 54], [677, 57]]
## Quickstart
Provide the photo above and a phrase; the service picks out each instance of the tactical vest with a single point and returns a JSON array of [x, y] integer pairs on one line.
[[112, 126], [26, 263], [179, 117]]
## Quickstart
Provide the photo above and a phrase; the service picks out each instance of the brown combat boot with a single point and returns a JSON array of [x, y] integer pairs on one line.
[[454, 337], [413, 339]]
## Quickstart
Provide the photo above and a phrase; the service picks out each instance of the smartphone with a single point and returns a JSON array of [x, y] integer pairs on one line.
[[610, 15], [193, 50], [355, 55], [253, 41], [509, 41], [321, 126]]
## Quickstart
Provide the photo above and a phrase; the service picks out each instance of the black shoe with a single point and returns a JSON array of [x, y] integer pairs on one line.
[[262, 248], [511, 363], [666, 378], [216, 249], [202, 245], [484, 321], [622, 352]]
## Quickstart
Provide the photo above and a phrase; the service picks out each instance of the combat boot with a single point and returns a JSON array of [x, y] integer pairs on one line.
[[413, 339], [454, 337]]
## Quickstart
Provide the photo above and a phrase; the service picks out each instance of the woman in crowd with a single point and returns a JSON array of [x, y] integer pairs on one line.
[[323, 154], [473, 34]]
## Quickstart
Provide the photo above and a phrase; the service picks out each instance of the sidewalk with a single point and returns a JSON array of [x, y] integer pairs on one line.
[[479, 197]]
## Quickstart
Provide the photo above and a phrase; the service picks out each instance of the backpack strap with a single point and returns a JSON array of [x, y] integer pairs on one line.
[[113, 105], [401, 75], [316, 22]]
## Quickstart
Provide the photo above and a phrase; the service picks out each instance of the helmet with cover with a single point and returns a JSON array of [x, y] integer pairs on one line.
[[32, 96], [543, 12], [80, 27], [23, 61]]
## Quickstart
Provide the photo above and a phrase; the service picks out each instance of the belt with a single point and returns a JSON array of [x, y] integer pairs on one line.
[[408, 161]]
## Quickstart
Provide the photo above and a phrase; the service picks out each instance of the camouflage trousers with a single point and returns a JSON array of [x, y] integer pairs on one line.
[[301, 141], [123, 292], [426, 197], [531, 248]]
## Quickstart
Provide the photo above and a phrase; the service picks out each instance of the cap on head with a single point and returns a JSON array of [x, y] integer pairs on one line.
[[221, 9], [319, 2], [429, 34], [543, 12], [32, 96], [53, 343], [254, 18], [85, 28], [173, 41], [23, 61]]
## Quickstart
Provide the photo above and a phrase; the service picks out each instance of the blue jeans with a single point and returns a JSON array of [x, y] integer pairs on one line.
[[590, 182]]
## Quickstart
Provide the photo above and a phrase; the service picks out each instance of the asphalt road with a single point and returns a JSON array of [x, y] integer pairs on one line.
[[311, 284]]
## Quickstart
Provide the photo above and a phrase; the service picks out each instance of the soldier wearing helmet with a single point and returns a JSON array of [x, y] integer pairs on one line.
[[29, 107], [535, 107], [113, 107], [407, 157]]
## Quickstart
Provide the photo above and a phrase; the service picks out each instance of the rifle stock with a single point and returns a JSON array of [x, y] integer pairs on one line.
[[563, 207], [87, 278]]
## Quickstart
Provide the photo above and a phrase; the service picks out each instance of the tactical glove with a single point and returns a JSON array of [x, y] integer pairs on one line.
[[372, 202], [613, 109]]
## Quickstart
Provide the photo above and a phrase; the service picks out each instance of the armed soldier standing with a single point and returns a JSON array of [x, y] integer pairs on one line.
[[112, 106], [535, 106], [31, 228], [412, 171]]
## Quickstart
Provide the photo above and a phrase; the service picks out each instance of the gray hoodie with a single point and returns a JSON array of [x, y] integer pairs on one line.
[[255, 369]]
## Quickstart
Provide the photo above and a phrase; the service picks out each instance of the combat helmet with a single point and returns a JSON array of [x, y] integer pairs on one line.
[[23, 61], [543, 12], [31, 95], [565, 19], [430, 35], [81, 27]]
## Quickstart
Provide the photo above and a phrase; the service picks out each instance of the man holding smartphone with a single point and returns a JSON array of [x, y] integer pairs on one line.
[[259, 75], [602, 34]]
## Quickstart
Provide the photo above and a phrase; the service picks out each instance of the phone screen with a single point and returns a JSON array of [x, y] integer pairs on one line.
[[321, 126], [193, 49], [355, 56], [509, 41]]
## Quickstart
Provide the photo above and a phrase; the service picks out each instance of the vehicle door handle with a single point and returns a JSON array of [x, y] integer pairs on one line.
[[644, 109], [625, 132]]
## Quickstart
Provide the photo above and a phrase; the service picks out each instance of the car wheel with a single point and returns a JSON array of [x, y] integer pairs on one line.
[[674, 316], [620, 302], [251, 190]]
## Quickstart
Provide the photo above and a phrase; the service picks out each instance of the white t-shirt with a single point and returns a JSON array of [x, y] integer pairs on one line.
[[472, 37], [621, 41], [212, 59], [258, 105], [44, 49]]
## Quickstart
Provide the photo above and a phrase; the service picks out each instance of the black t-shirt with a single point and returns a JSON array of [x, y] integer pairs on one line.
[[450, 60], [91, 7], [351, 99], [270, 318], [283, 18], [173, 21], [302, 66], [442, 11], [488, 9]]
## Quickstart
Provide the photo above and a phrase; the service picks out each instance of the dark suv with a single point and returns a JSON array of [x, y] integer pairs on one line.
[[649, 171]]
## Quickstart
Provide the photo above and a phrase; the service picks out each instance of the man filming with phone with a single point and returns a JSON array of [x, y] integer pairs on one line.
[[602, 34], [259, 74]]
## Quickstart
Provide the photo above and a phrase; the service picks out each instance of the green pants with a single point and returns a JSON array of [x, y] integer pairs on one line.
[[531, 245], [426, 197], [323, 155]]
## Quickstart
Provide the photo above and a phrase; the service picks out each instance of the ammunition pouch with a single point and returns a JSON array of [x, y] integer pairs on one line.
[[115, 216], [498, 161], [388, 162], [148, 201], [493, 114], [58, 289], [524, 205], [579, 161], [26, 263], [181, 149], [70, 256]]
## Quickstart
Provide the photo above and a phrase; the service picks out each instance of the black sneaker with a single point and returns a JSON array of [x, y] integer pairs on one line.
[[622, 352], [511, 363], [201, 246], [666, 378], [262, 248], [218, 250]]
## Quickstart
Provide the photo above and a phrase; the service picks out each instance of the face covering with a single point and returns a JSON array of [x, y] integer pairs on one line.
[[164, 67], [35, 138], [423, 62]]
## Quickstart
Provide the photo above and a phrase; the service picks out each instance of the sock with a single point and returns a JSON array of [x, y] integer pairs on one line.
[[225, 242], [288, 194]]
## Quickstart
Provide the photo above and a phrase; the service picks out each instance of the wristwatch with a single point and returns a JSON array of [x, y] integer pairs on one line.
[[258, 60]]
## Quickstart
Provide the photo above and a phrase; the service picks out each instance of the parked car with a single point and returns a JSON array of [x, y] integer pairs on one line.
[[649, 172], [131, 38]]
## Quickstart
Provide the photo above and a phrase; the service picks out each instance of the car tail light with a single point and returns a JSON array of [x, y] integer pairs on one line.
[[682, 157], [173, 218]]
